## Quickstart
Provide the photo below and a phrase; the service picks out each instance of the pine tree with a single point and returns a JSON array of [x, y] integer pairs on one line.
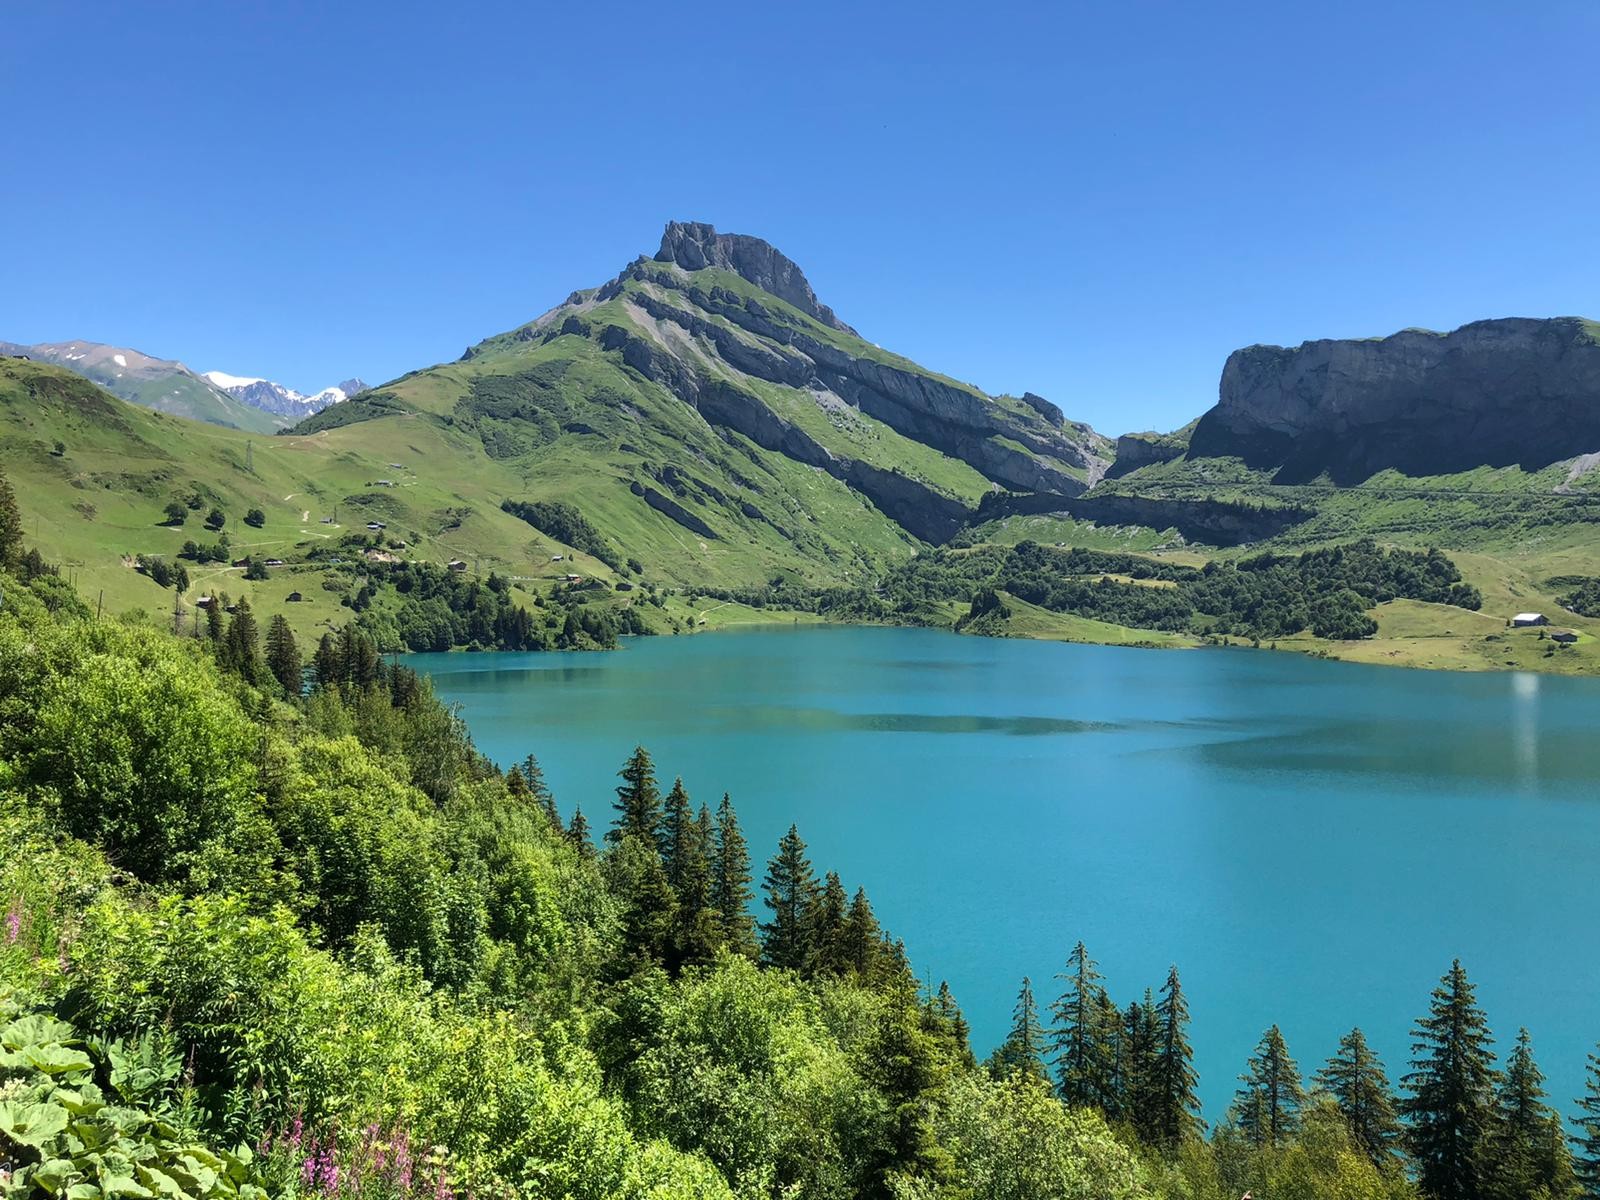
[[863, 939], [638, 801], [241, 647], [1141, 1037], [10, 525], [949, 1012], [1110, 1034], [791, 888], [730, 882], [360, 665], [578, 834], [1084, 1069], [517, 786], [1025, 1047], [892, 973], [706, 835], [216, 630], [325, 662], [649, 907], [283, 656], [1527, 1155], [1268, 1106], [538, 790], [1356, 1080], [1176, 1111], [1587, 1160], [1450, 1107], [698, 934], [676, 836], [829, 953]]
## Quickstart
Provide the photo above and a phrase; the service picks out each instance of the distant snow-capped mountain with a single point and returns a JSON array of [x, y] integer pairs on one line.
[[283, 401]]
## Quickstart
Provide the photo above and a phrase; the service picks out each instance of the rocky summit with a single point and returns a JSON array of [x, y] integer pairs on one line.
[[694, 245], [1514, 391]]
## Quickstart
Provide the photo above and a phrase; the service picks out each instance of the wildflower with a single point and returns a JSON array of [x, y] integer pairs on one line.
[[13, 923], [328, 1172], [295, 1130]]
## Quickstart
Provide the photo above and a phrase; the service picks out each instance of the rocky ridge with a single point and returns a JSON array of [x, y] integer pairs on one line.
[[1511, 391]]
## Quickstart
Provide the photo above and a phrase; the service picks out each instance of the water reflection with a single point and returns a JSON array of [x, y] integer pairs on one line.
[[1525, 726]]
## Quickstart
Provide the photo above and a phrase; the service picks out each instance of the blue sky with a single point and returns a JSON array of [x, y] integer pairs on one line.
[[1096, 203]]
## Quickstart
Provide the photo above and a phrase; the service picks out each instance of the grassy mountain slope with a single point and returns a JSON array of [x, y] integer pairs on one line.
[[99, 504], [156, 383], [728, 434]]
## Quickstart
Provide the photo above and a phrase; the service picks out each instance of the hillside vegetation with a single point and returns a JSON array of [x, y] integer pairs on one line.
[[285, 933]]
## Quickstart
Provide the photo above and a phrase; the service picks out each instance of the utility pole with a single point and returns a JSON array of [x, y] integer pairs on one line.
[[100, 604]]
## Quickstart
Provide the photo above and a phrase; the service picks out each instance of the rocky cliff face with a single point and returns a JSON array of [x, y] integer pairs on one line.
[[1135, 450], [1497, 393], [694, 245]]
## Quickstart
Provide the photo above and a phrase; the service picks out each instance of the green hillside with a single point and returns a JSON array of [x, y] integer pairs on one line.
[[156, 383], [99, 503]]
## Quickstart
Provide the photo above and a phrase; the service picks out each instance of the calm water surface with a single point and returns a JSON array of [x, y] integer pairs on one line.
[[1310, 842]]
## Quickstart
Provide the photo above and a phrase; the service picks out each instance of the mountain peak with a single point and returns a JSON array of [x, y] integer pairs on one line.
[[694, 245]]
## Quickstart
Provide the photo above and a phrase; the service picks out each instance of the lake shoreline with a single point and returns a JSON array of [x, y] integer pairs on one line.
[[1441, 653]]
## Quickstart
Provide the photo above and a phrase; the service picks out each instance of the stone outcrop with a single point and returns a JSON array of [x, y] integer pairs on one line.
[[669, 507], [694, 245], [1496, 393], [1135, 450]]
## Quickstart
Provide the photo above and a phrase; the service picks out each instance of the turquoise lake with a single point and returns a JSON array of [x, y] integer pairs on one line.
[[1311, 842]]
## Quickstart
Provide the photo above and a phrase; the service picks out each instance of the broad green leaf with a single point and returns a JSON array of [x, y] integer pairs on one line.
[[190, 1175], [82, 1102], [203, 1157], [36, 1029], [124, 1185], [161, 1183], [56, 1060], [56, 1174], [116, 1175], [31, 1124]]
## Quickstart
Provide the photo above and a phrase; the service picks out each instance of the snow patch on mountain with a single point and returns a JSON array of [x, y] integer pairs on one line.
[[225, 381]]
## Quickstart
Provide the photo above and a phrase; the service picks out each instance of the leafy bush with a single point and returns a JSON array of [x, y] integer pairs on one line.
[[68, 1134]]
